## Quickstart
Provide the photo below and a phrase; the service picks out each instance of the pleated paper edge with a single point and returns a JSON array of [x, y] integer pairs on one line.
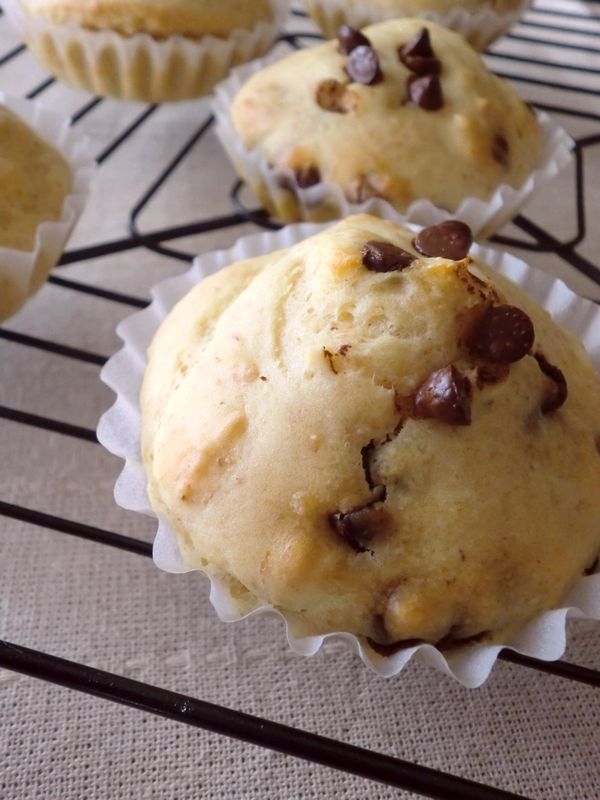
[[543, 638]]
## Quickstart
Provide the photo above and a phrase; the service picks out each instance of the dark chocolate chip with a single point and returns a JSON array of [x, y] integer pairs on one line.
[[359, 527], [349, 39], [450, 239], [504, 334], [425, 91], [500, 150], [330, 96], [418, 45], [418, 56], [597, 442], [445, 395], [422, 65], [307, 176], [385, 257], [363, 65], [558, 394]]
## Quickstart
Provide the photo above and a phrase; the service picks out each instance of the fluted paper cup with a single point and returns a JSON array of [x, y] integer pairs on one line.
[[120, 428], [140, 67], [22, 272], [480, 27]]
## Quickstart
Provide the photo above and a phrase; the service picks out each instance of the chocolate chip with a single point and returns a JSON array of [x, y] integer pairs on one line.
[[504, 334], [385, 257], [422, 65], [558, 393], [445, 396], [349, 39], [450, 239], [418, 45], [359, 527], [307, 176], [425, 91], [597, 443], [330, 96], [418, 56], [363, 65], [500, 150]]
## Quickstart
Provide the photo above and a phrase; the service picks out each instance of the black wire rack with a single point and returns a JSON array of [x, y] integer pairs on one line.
[[565, 81]]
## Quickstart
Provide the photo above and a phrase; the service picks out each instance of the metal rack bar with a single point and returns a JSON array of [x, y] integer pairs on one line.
[[90, 532], [253, 730], [52, 347], [47, 424]]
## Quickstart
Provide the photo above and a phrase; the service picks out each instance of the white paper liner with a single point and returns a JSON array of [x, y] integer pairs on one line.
[[480, 27], [326, 200], [119, 431], [23, 272], [140, 67]]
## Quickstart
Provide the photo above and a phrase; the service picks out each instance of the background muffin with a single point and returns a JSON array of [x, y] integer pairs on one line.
[[44, 182], [479, 21], [412, 114], [427, 476], [146, 49]]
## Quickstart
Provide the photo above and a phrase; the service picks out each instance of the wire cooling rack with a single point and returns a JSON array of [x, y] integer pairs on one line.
[[553, 56]]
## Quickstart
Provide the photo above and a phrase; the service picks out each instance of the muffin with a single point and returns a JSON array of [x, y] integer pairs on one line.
[[376, 434], [399, 113], [146, 49], [38, 205], [479, 21]]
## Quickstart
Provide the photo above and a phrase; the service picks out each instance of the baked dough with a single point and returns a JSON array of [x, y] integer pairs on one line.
[[297, 442], [312, 122], [35, 180], [158, 18]]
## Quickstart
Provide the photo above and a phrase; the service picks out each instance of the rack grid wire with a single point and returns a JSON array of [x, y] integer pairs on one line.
[[564, 81]]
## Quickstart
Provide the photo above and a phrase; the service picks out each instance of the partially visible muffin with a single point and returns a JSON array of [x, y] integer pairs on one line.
[[193, 18], [376, 434], [146, 49], [399, 111], [35, 181], [479, 21]]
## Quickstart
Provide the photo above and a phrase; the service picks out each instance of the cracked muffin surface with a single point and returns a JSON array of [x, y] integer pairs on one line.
[[376, 433]]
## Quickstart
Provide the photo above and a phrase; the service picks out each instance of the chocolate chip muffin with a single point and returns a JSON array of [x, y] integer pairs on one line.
[[479, 21], [35, 180], [399, 111], [375, 433]]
